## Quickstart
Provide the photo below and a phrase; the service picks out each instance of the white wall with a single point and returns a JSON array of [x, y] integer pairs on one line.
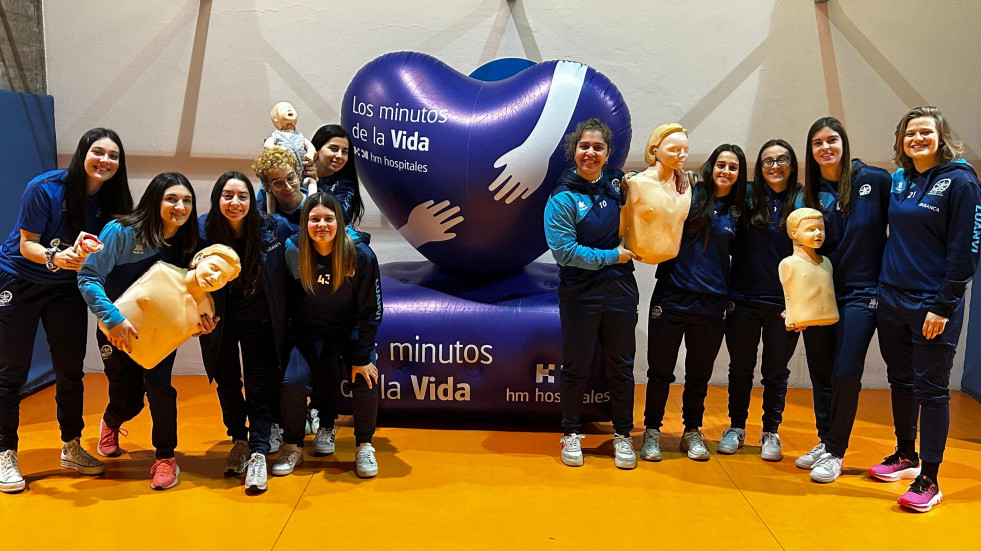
[[189, 84]]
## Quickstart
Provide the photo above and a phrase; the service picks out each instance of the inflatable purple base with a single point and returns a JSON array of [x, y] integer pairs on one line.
[[490, 349]]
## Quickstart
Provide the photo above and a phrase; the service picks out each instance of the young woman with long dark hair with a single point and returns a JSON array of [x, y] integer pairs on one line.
[[163, 226], [253, 313], [38, 265], [854, 199], [756, 300], [689, 301]]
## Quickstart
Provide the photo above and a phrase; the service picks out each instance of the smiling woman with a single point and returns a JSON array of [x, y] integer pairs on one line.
[[163, 226], [38, 264], [245, 349]]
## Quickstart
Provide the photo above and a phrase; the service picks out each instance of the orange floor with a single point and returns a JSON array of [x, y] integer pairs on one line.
[[480, 489]]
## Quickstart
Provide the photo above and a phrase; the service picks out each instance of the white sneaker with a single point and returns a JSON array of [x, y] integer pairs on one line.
[[572, 449], [10, 479], [807, 460], [323, 443], [623, 452], [74, 457], [772, 449], [693, 443], [364, 461], [255, 474], [732, 440], [651, 448], [275, 438], [313, 421], [826, 469], [290, 456], [237, 457]]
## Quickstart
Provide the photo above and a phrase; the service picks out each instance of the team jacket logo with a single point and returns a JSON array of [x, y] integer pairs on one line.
[[940, 187], [106, 351], [864, 190], [55, 242], [583, 206], [616, 185], [736, 213], [656, 312], [6, 297]]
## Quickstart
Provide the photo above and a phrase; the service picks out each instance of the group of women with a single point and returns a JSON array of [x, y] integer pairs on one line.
[[307, 303], [304, 308], [907, 282]]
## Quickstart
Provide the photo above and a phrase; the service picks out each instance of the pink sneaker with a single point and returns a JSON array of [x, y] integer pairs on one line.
[[922, 495], [109, 440], [894, 467], [164, 473]]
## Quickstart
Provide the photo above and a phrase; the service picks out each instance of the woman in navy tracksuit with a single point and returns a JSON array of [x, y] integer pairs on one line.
[[756, 299], [929, 258], [163, 226], [253, 313], [854, 199], [689, 301], [336, 173], [597, 291], [38, 265], [334, 307]]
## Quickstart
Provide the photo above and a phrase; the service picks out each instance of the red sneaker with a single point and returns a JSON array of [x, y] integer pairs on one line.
[[109, 440], [164, 473]]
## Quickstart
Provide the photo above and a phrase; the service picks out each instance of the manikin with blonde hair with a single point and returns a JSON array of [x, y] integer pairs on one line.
[[653, 217]]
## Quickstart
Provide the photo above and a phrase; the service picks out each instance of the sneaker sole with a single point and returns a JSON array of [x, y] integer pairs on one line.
[[177, 473], [232, 471], [321, 453], [806, 465], [773, 458], [117, 453], [651, 457], [367, 474], [726, 450], [88, 470], [572, 462], [256, 488], [698, 457], [13, 487], [921, 508], [625, 465], [893, 477], [823, 480]]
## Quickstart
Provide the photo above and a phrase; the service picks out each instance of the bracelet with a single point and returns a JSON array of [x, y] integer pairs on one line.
[[49, 259]]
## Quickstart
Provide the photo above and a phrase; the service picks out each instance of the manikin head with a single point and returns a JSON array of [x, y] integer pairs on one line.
[[806, 227], [668, 145], [214, 266], [284, 116]]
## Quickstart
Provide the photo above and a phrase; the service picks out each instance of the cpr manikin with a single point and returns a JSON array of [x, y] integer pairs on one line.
[[808, 287], [165, 304], [658, 199], [288, 137]]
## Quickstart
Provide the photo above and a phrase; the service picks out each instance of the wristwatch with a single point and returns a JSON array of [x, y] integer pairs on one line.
[[49, 259]]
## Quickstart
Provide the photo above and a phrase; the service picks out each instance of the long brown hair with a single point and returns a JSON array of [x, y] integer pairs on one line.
[[812, 171], [343, 258]]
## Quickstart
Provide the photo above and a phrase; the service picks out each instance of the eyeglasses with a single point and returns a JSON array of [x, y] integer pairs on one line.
[[280, 183], [782, 160]]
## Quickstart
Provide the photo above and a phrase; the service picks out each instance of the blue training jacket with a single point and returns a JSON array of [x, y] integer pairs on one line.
[[109, 272], [934, 234], [757, 251], [854, 243], [42, 212], [582, 227], [700, 268], [275, 232]]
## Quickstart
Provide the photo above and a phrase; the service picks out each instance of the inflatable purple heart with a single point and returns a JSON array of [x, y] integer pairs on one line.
[[463, 167]]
